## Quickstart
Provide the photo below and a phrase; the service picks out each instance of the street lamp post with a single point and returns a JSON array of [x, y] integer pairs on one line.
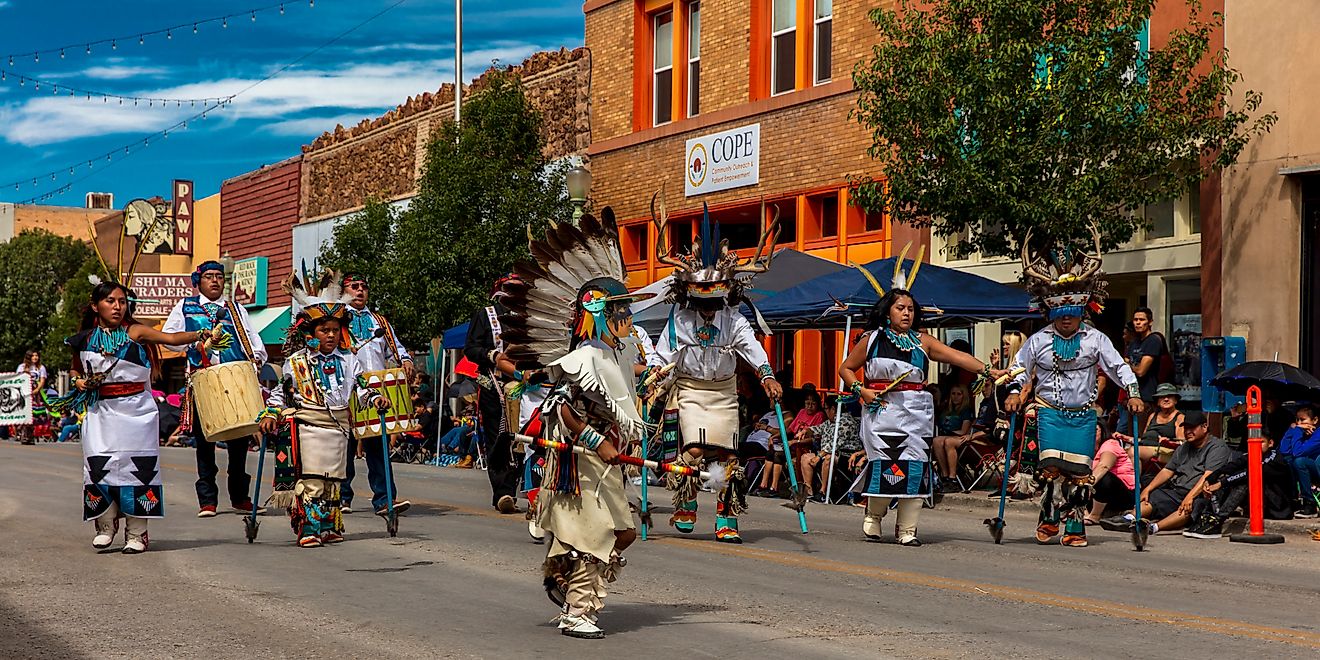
[[228, 263], [579, 186]]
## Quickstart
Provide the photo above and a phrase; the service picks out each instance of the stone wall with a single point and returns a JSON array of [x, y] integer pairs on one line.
[[383, 157]]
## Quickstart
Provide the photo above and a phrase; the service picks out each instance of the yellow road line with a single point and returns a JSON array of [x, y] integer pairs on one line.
[[1112, 609]]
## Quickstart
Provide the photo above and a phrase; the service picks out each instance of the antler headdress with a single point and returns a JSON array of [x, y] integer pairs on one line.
[[1064, 280]]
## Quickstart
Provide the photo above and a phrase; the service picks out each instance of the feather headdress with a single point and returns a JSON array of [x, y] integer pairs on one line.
[[549, 302], [314, 302], [1064, 280], [901, 281]]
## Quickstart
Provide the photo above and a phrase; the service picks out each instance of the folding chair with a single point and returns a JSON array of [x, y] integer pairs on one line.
[[978, 460]]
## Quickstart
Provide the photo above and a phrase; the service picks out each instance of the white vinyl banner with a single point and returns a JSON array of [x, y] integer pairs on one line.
[[724, 160]]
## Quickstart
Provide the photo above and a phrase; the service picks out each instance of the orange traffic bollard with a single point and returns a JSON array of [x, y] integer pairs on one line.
[[1255, 481]]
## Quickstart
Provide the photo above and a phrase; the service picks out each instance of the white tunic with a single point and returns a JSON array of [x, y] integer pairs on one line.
[[718, 358]]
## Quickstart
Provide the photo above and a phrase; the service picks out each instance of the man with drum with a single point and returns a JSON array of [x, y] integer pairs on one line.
[[377, 348], [201, 312]]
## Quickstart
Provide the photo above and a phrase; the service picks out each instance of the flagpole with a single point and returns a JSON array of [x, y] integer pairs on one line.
[[458, 61]]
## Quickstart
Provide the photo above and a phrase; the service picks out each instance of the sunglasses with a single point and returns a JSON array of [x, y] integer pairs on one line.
[[358, 286], [213, 276]]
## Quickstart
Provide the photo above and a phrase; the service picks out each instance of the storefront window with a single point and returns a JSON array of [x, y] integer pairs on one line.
[[1183, 299]]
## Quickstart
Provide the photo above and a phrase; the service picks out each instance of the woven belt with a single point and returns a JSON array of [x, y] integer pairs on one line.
[[117, 390], [905, 386]]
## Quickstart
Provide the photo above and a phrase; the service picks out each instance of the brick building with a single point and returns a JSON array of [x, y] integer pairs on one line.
[[383, 157], [68, 221], [671, 76]]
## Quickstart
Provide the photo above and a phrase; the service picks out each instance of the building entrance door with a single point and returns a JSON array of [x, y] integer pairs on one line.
[[1310, 284]]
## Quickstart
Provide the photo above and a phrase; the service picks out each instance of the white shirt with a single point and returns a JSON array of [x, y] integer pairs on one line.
[[1073, 384], [175, 322], [375, 352], [337, 388], [647, 356], [733, 337]]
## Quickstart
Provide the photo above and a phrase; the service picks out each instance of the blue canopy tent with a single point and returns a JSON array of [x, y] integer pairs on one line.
[[962, 297], [455, 337]]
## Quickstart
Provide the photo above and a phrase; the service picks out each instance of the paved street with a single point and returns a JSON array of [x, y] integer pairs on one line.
[[464, 581]]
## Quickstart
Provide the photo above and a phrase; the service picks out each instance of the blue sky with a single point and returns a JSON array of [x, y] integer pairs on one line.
[[406, 51]]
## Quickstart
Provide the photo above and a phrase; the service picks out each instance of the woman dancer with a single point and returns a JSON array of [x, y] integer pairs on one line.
[[897, 418], [120, 436]]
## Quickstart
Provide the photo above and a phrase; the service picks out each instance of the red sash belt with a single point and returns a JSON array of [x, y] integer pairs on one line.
[[115, 390], [905, 386]]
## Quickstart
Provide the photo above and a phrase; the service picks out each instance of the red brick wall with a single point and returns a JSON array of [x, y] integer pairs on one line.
[[257, 213]]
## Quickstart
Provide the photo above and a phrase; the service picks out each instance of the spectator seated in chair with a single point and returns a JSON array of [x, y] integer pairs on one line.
[[774, 456], [461, 439], [1226, 490], [955, 430], [817, 465], [802, 444], [1169, 497]]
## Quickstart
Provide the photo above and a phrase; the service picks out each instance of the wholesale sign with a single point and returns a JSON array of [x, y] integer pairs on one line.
[[159, 293], [724, 160]]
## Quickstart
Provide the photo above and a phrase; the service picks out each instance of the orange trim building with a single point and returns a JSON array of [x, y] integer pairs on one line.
[[671, 74]]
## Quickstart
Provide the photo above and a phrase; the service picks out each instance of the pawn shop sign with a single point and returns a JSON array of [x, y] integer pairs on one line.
[[183, 217]]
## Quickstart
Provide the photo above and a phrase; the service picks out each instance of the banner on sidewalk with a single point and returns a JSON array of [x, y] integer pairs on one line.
[[15, 399]]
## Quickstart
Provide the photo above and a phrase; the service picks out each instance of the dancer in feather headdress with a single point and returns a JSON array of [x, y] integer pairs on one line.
[[589, 357], [310, 411], [1065, 356], [704, 338], [898, 412]]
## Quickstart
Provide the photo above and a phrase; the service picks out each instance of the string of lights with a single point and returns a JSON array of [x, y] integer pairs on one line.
[[86, 47], [109, 158], [72, 90]]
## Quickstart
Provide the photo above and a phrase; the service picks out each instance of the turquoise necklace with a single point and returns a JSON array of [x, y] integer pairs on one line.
[[109, 342], [909, 342], [1066, 350]]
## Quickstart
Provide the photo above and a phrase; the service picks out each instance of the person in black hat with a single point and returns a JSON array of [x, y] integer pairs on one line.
[[1169, 498]]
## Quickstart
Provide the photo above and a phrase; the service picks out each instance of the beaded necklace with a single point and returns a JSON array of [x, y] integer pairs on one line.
[[908, 342], [108, 342]]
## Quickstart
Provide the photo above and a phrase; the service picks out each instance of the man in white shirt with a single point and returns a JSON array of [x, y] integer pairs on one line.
[[194, 314], [377, 347], [704, 338]]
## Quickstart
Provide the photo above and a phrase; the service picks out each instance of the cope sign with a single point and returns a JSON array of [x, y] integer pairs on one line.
[[724, 160]]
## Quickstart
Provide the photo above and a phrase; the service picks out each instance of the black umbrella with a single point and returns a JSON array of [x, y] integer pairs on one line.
[[1279, 380]]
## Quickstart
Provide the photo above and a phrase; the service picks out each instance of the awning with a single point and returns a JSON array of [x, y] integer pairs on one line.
[[272, 323]]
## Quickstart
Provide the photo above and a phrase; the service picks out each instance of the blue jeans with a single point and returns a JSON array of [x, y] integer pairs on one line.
[[461, 440], [375, 474], [68, 430], [1307, 472]]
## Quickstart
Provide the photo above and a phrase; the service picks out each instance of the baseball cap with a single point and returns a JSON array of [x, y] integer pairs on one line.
[[1193, 419]]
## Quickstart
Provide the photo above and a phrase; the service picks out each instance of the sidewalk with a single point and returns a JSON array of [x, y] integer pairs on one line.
[[981, 502]]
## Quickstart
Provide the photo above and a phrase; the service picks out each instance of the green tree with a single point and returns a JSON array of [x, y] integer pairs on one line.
[[362, 244], [34, 268], [999, 116], [486, 183]]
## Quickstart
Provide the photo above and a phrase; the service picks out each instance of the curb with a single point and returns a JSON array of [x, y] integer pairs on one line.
[[980, 501]]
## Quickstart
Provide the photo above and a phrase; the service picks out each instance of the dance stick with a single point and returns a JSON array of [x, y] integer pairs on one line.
[[1140, 528], [623, 458], [997, 524], [391, 517], [792, 474]]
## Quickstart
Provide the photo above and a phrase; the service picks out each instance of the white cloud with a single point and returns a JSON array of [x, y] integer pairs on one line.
[[123, 72], [369, 88]]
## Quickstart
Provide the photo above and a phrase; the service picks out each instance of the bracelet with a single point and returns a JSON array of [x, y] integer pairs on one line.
[[590, 438], [1134, 391], [856, 388], [518, 375], [765, 372], [269, 412]]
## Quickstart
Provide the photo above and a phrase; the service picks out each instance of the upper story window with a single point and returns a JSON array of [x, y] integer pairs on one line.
[[783, 47], [662, 68], [694, 59], [823, 39]]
